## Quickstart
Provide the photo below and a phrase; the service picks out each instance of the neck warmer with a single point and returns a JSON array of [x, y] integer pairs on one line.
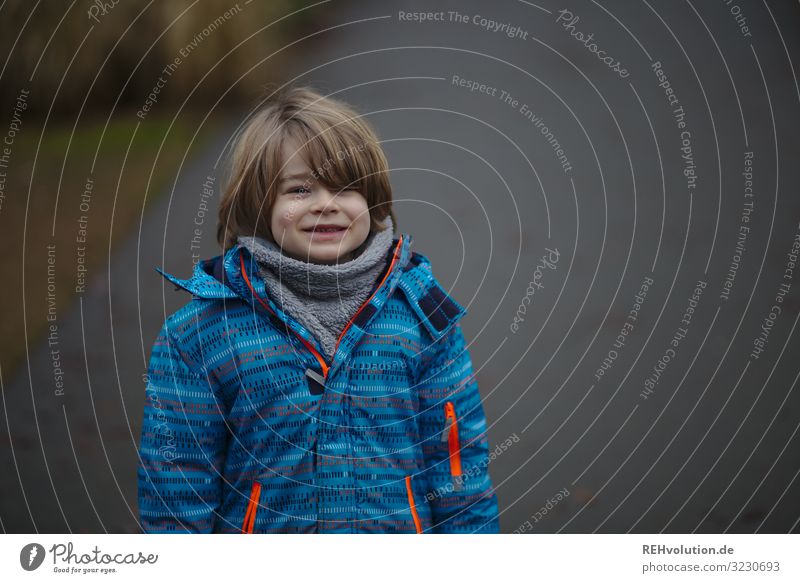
[[323, 298]]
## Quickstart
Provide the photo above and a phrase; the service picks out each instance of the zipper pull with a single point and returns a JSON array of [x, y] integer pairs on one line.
[[448, 423], [449, 419], [316, 382], [450, 435]]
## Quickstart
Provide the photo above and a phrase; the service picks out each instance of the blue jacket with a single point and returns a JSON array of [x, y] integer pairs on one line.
[[248, 429]]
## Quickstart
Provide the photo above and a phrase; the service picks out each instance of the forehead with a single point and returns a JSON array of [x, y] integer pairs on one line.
[[293, 165]]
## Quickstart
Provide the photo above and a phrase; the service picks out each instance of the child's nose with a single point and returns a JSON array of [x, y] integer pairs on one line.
[[324, 200]]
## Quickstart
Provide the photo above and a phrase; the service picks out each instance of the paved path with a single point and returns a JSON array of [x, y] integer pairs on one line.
[[76, 453]]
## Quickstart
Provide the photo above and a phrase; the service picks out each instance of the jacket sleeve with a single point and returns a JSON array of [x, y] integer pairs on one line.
[[462, 499], [183, 443]]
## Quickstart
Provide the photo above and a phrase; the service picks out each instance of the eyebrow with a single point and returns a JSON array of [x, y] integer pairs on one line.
[[294, 177]]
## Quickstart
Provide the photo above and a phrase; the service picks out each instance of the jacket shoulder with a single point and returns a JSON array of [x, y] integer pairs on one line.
[[207, 280], [434, 307]]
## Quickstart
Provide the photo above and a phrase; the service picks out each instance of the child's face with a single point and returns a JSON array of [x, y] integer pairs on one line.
[[311, 223]]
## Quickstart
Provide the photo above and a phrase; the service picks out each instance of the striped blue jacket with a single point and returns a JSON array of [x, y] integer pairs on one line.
[[247, 428]]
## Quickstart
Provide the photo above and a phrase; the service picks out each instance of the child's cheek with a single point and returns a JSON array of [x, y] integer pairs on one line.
[[285, 219], [286, 216]]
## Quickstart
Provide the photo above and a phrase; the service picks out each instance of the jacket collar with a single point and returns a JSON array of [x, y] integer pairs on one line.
[[221, 278]]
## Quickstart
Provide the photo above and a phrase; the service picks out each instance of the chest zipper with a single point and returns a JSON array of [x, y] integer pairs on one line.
[[252, 507], [450, 435], [317, 380]]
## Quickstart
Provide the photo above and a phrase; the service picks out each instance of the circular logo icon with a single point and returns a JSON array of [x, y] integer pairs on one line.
[[31, 556]]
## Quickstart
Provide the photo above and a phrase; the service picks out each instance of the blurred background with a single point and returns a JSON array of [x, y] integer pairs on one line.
[[609, 187]]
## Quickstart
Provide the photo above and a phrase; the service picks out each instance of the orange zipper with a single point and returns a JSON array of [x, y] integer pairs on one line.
[[252, 508], [324, 365], [450, 434], [413, 506], [321, 360]]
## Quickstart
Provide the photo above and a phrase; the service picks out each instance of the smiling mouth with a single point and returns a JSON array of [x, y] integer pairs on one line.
[[326, 233], [325, 229]]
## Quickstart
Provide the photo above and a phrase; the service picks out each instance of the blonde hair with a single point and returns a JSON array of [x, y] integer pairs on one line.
[[341, 149]]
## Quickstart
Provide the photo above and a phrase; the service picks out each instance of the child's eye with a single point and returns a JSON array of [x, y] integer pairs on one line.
[[300, 190]]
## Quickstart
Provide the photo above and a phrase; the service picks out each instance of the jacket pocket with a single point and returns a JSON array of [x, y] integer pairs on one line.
[[413, 506], [252, 508], [450, 435]]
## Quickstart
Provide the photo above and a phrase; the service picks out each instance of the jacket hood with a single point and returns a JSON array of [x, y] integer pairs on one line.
[[222, 277]]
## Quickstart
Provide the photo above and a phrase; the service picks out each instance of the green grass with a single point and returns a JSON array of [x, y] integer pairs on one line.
[[44, 187]]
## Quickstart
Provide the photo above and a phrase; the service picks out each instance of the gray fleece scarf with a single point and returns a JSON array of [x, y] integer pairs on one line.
[[322, 298]]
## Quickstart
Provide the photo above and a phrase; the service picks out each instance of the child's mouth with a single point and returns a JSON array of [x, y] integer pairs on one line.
[[326, 232]]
